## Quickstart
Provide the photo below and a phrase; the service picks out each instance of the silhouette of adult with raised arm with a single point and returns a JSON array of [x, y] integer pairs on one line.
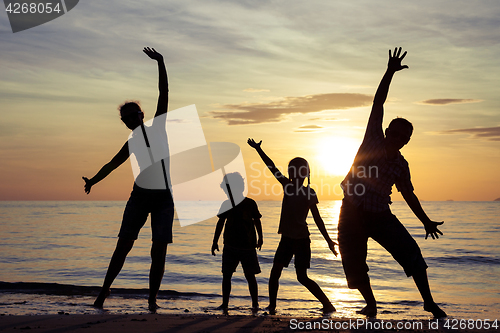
[[142, 201], [365, 210]]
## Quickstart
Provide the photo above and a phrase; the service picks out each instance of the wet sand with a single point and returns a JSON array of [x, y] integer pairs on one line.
[[108, 323]]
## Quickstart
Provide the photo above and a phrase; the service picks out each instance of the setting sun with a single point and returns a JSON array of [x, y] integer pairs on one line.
[[336, 154]]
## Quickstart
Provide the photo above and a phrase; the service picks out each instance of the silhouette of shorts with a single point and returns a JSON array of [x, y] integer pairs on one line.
[[356, 226], [288, 247], [141, 203], [232, 256]]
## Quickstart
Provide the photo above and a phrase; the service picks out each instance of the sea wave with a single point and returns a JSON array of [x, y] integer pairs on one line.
[[481, 260], [74, 290]]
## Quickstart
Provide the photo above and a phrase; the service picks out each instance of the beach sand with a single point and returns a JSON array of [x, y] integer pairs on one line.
[[108, 323]]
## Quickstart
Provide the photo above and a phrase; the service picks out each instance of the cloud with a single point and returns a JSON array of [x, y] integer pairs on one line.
[[256, 90], [327, 119], [446, 101], [256, 113], [309, 128], [485, 133]]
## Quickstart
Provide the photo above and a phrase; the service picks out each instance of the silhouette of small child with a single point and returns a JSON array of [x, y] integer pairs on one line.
[[297, 201], [241, 217]]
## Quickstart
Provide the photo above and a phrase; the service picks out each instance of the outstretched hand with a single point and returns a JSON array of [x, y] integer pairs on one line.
[[153, 54], [88, 185], [254, 144], [395, 60], [431, 229], [331, 245]]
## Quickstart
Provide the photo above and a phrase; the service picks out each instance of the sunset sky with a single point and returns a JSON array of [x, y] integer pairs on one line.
[[299, 75]]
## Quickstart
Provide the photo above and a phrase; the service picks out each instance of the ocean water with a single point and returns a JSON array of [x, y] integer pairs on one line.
[[54, 255]]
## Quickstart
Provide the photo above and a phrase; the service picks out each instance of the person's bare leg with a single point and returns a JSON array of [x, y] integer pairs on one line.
[[254, 290], [274, 284], [123, 247], [370, 309], [315, 289], [226, 290], [158, 256], [422, 282]]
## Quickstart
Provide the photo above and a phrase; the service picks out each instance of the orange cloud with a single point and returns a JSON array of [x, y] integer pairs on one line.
[[255, 113], [309, 128], [487, 133], [446, 101]]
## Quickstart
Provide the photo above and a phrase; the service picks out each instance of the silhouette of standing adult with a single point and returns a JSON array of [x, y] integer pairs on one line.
[[365, 211], [142, 201]]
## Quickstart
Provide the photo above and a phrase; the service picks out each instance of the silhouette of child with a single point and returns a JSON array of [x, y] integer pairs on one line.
[[297, 201], [241, 220]]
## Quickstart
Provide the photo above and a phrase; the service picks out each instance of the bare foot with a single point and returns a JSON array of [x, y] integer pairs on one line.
[[152, 307], [369, 311], [255, 309], [271, 310], [435, 310], [224, 308], [99, 302]]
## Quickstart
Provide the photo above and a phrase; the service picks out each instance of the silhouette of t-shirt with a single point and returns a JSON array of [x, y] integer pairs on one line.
[[369, 182], [146, 162], [239, 230], [294, 210]]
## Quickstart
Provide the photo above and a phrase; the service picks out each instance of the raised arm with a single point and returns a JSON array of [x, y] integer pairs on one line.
[[321, 227], [115, 162], [270, 164], [377, 113], [162, 81], [414, 204]]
